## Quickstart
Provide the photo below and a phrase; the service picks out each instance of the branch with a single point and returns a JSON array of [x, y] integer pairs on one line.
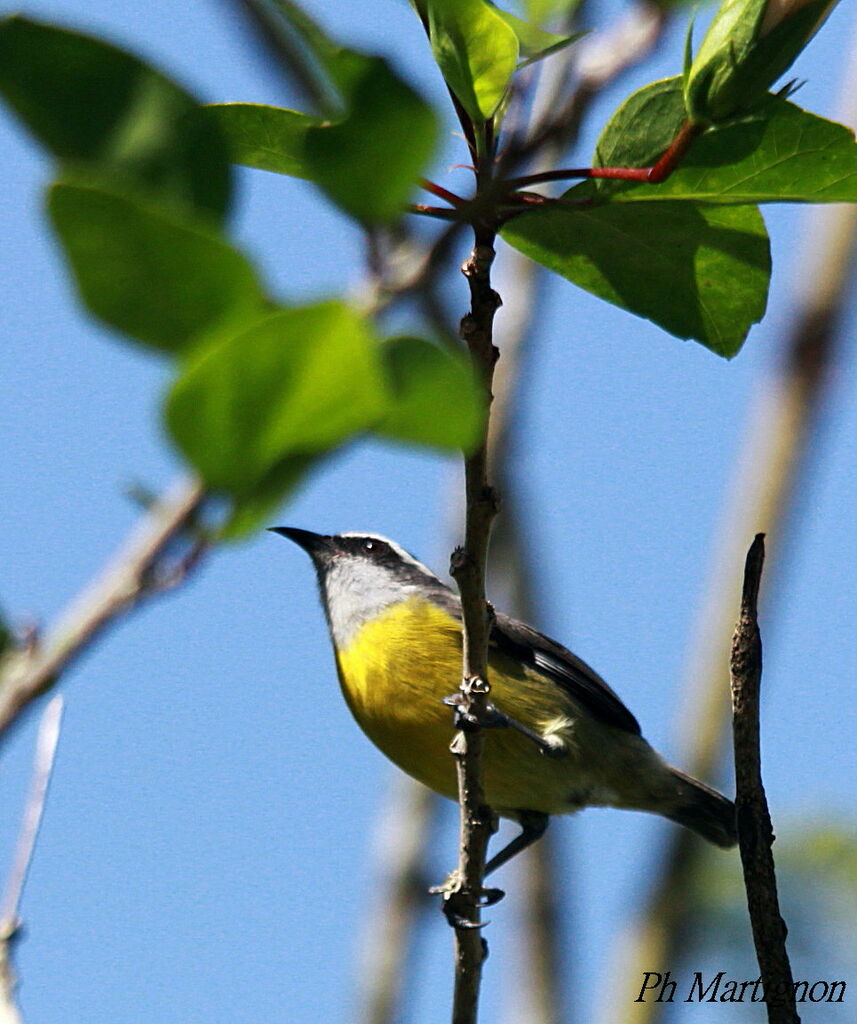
[[464, 896], [755, 832], [43, 763], [30, 671]]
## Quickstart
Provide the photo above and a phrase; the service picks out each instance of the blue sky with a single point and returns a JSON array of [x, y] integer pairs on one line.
[[206, 852]]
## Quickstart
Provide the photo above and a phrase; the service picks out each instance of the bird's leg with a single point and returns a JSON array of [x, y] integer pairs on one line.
[[494, 718], [533, 825]]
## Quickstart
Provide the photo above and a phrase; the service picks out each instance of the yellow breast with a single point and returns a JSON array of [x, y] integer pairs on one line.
[[395, 674]]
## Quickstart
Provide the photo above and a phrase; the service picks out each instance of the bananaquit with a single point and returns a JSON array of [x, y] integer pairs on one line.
[[568, 741]]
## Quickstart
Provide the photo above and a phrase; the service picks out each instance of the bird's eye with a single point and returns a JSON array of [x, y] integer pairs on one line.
[[367, 545]]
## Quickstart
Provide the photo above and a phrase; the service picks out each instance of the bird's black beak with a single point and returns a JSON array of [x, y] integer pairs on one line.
[[315, 544]]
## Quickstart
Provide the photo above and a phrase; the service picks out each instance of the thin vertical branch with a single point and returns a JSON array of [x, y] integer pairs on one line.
[[755, 832], [468, 569]]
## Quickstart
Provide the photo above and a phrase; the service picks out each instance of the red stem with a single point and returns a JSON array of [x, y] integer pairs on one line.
[[442, 193], [654, 175]]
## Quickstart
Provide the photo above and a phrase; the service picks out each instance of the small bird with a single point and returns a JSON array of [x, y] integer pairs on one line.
[[565, 740]]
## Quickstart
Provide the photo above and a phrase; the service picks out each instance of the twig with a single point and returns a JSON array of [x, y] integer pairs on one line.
[[464, 897], [27, 673], [468, 569], [43, 763], [288, 54], [755, 832]]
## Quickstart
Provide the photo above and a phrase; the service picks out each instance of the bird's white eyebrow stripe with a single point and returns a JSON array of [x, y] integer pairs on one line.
[[406, 556]]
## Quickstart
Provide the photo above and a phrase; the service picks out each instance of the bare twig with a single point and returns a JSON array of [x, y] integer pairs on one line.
[[43, 763], [27, 673], [755, 832], [468, 569]]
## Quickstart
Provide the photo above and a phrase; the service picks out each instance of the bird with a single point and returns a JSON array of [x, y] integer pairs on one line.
[[564, 739]]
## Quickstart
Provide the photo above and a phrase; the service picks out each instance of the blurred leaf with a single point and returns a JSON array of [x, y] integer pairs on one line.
[[699, 272], [250, 513], [368, 164], [436, 397], [88, 101], [827, 850], [331, 65], [475, 49], [267, 138], [6, 635], [380, 138], [296, 384], [539, 12], [159, 277], [781, 154], [534, 43]]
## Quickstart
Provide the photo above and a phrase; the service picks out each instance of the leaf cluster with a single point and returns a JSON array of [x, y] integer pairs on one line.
[[263, 388]]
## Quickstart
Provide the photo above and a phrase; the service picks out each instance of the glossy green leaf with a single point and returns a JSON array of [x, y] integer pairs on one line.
[[89, 102], [699, 272], [640, 130], [158, 276], [296, 384], [783, 154], [267, 138], [436, 397], [476, 51], [744, 52]]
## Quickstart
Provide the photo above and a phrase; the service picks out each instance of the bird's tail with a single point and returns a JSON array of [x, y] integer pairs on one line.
[[704, 811]]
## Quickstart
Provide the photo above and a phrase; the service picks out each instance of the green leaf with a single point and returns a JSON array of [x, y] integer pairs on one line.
[[6, 636], [376, 140], [539, 12], [89, 102], [162, 278], [699, 272], [640, 130], [784, 154], [476, 51], [368, 163], [534, 43], [436, 397], [249, 513], [267, 138], [329, 65], [299, 383]]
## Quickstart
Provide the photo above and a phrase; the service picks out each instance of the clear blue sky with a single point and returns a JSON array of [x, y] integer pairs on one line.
[[206, 853]]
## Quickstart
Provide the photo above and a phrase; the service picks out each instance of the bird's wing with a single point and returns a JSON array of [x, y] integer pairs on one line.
[[551, 659], [534, 649]]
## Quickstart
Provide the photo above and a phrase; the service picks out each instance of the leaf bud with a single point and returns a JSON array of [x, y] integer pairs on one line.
[[748, 46]]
